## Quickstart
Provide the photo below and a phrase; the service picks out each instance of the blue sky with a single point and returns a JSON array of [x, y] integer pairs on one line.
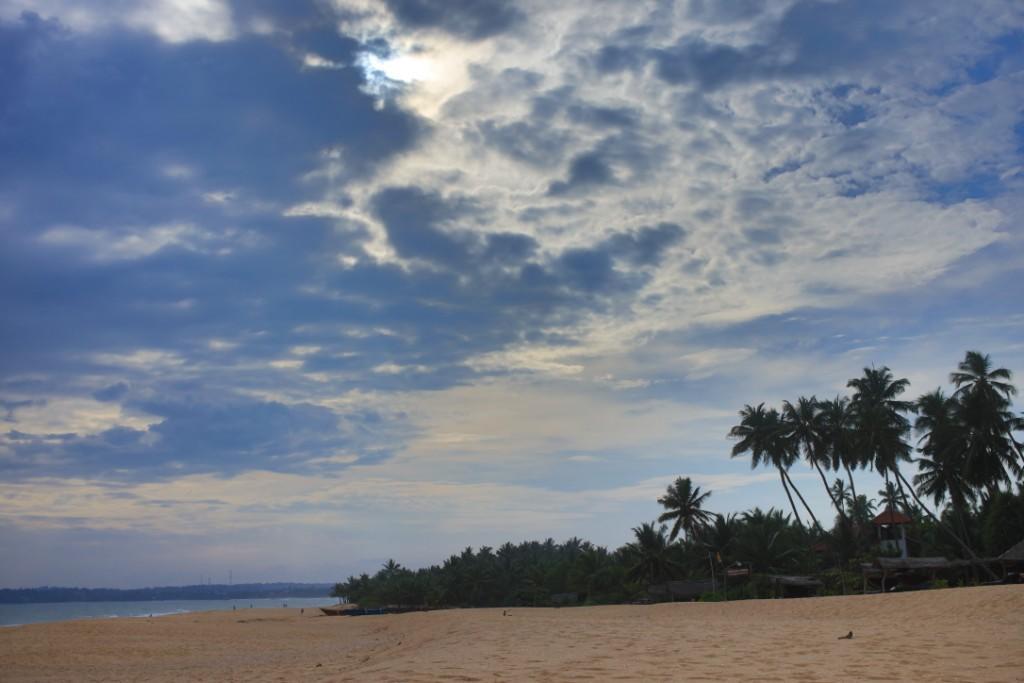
[[290, 288]]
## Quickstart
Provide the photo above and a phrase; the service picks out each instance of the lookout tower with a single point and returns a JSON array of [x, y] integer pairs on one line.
[[892, 530]]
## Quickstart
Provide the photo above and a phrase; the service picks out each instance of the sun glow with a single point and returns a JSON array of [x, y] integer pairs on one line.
[[423, 80], [407, 68], [396, 70]]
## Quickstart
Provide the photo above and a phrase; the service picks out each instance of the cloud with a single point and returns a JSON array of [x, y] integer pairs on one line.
[[585, 171], [229, 436], [243, 116], [558, 261], [468, 19], [413, 219]]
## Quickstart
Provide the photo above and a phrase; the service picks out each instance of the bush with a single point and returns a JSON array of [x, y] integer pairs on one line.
[[711, 596]]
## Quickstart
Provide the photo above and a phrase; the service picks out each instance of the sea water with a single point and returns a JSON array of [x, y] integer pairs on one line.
[[36, 612]]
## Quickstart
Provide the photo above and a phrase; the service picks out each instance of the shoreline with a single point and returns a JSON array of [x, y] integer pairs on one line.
[[12, 614]]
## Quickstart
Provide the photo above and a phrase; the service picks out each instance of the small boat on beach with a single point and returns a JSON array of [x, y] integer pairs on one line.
[[340, 610]]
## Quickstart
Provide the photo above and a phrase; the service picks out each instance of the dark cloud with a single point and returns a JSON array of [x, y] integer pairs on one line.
[[585, 171], [506, 247], [730, 11], [414, 220], [781, 169], [603, 117], [587, 269], [645, 246], [811, 38], [707, 65], [469, 19], [616, 58]]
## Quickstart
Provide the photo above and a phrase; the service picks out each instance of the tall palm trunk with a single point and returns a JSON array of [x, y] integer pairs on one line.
[[945, 527], [824, 482], [806, 506], [903, 496], [962, 519], [849, 474], [792, 505]]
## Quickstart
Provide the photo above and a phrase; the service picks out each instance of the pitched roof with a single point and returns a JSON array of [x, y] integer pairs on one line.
[[1016, 552], [890, 516]]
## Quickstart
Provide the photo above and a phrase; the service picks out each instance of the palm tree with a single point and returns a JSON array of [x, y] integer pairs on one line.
[[881, 428], [650, 554], [889, 496], [760, 434], [843, 493], [975, 377], [943, 462], [880, 424], [766, 541], [802, 431], [862, 510], [984, 396], [839, 436], [682, 502], [720, 537]]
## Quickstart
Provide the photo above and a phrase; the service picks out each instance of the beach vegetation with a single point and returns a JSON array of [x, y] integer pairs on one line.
[[962, 443]]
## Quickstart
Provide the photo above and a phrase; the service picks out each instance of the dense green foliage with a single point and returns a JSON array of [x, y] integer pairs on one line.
[[968, 461]]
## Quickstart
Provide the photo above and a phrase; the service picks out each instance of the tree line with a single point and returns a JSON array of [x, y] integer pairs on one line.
[[967, 458]]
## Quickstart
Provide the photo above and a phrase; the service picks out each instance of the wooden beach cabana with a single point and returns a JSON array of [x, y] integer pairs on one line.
[[1012, 562]]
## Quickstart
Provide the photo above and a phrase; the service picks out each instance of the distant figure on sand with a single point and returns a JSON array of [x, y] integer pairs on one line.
[[848, 636]]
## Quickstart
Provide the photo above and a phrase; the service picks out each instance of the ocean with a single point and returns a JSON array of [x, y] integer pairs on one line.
[[37, 612]]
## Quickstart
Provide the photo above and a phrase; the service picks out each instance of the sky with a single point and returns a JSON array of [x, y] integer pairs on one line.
[[292, 288]]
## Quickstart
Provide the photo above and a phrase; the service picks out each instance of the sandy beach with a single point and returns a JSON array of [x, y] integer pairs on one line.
[[974, 634]]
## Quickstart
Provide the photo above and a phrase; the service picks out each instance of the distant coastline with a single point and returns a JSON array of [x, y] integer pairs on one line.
[[241, 591]]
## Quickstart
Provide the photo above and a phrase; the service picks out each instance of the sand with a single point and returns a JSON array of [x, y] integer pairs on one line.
[[966, 634]]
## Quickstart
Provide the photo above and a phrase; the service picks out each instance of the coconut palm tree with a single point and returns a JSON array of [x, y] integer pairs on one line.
[[766, 541], [720, 537], [682, 502], [843, 493], [650, 559], [881, 428], [760, 434], [942, 445], [802, 431], [975, 377], [880, 423], [862, 510], [889, 496], [839, 436], [984, 399]]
